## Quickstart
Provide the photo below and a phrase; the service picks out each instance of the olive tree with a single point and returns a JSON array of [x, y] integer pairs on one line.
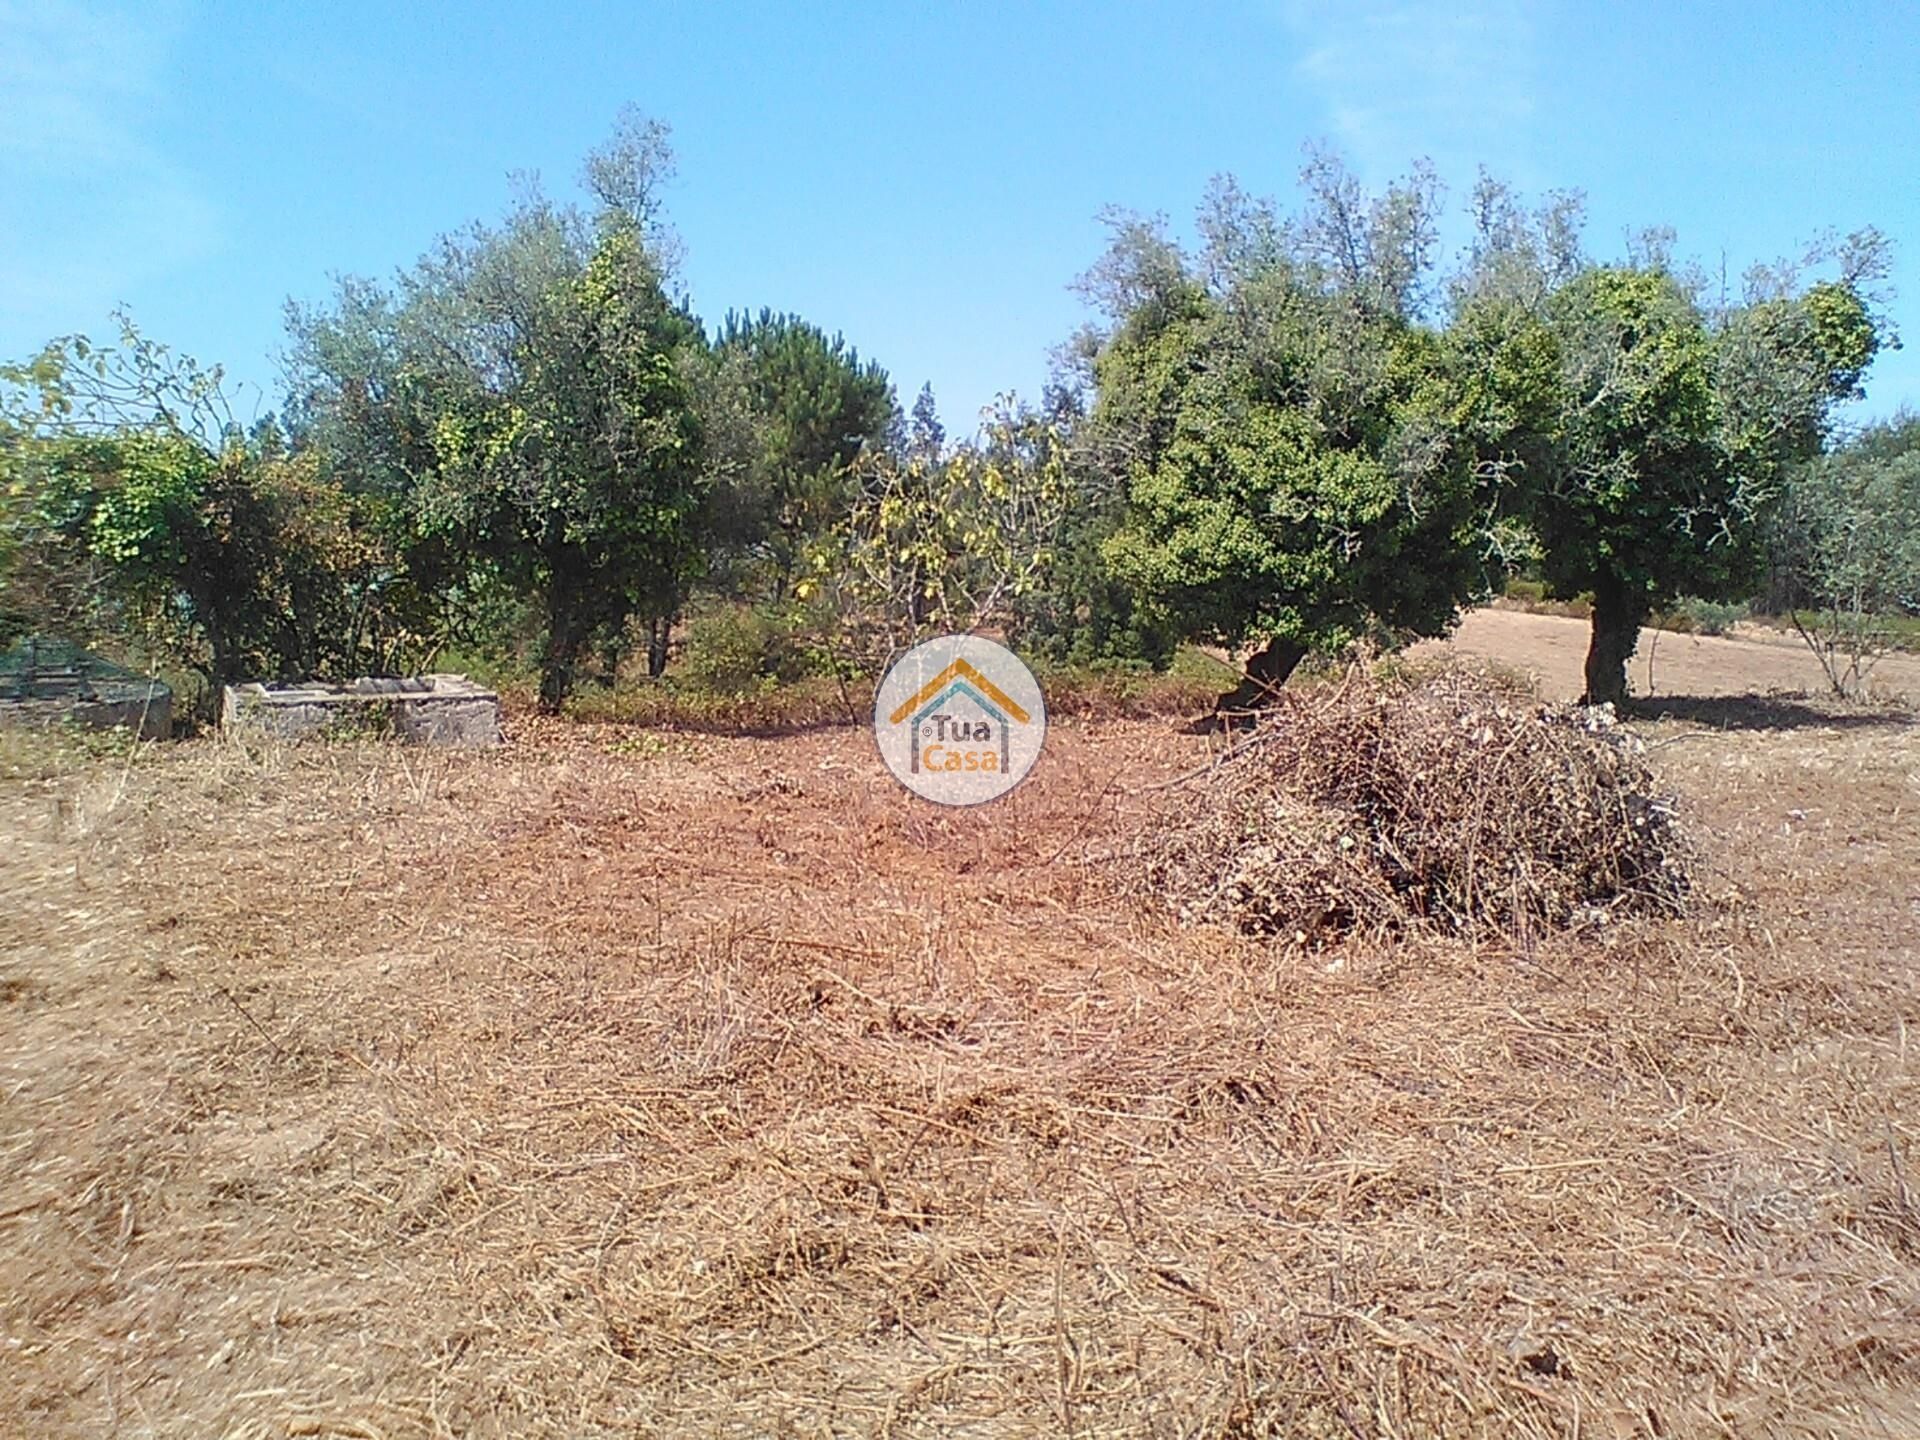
[[1848, 542], [1287, 431], [531, 394], [1642, 430]]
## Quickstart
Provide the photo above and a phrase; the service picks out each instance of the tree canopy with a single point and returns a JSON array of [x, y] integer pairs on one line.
[[816, 409], [532, 392], [1287, 433], [1846, 543], [1641, 433], [1297, 430]]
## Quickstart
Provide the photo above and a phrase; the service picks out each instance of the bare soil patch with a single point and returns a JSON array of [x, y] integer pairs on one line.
[[1754, 661], [640, 1084]]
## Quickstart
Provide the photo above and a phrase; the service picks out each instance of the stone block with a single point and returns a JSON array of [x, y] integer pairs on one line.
[[421, 709]]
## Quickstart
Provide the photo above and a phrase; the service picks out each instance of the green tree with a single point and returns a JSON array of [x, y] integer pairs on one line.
[[1639, 504], [1848, 541], [1084, 614], [945, 542], [531, 394], [816, 407], [925, 437], [1643, 434], [1285, 429], [139, 507]]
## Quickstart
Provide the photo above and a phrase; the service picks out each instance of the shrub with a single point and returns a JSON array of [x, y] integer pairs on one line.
[[1691, 615], [1536, 597], [738, 649]]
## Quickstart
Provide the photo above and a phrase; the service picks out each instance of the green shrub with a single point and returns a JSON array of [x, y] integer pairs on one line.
[[514, 677], [737, 649], [1189, 683], [1690, 615], [1536, 597], [1082, 617]]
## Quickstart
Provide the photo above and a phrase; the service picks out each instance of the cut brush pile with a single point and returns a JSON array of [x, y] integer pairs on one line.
[[1450, 802]]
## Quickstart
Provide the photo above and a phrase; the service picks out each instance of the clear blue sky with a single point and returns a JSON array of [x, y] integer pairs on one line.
[[923, 177]]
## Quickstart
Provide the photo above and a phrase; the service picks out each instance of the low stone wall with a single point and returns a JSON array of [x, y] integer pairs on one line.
[[425, 710], [148, 714]]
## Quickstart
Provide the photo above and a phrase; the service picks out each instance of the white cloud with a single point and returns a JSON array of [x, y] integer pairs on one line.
[[92, 207], [1454, 82]]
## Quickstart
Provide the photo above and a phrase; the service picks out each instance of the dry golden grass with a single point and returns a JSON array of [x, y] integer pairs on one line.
[[689, 1086]]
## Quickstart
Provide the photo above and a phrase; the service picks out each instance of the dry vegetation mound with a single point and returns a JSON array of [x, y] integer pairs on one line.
[[1453, 801]]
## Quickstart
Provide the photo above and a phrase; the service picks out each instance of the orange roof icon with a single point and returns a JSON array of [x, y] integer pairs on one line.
[[963, 669]]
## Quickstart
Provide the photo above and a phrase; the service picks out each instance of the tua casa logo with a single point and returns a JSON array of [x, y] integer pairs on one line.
[[959, 720]]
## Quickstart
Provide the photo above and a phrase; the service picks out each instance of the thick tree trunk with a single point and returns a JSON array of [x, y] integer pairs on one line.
[[1618, 614], [1267, 670], [556, 674], [225, 658]]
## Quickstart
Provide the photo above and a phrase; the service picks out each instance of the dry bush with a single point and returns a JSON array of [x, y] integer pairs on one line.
[[1453, 801]]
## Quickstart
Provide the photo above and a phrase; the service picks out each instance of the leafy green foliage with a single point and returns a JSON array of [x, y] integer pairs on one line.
[[137, 505], [1286, 436], [732, 648], [1083, 615], [998, 532], [1289, 436], [816, 407], [1642, 436], [944, 543], [1848, 539], [1636, 499], [529, 396]]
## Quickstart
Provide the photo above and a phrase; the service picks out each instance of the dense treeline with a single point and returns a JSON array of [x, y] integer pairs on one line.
[[1299, 432]]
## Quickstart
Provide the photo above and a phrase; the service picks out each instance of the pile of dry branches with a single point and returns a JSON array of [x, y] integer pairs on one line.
[[1452, 802]]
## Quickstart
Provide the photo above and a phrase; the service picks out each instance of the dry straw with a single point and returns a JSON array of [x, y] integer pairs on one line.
[[720, 1087]]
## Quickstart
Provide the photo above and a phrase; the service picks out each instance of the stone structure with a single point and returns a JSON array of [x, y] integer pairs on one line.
[[48, 682], [424, 709]]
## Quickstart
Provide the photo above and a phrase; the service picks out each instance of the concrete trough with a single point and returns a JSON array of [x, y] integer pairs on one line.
[[46, 682], [143, 707], [421, 709]]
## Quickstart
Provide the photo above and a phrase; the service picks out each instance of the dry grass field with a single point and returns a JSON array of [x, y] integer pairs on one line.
[[625, 1083]]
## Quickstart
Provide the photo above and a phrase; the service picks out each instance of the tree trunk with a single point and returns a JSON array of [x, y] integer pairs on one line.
[[1618, 614], [222, 670], [613, 650], [1267, 670], [556, 675], [225, 657], [566, 639], [659, 631]]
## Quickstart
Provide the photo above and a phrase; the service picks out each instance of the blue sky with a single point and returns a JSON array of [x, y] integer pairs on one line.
[[923, 177]]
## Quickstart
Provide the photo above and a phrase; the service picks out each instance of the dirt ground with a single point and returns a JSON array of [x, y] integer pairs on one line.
[[640, 1084], [1754, 660]]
